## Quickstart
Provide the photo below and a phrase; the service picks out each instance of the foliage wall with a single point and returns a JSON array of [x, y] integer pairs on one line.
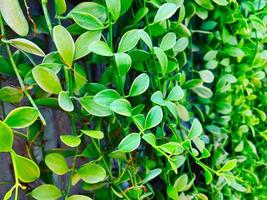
[[133, 99]]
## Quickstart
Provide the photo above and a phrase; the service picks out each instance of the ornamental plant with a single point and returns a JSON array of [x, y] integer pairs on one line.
[[154, 99]]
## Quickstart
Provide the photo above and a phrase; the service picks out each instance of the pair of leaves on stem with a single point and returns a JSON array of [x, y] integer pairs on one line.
[[106, 101]]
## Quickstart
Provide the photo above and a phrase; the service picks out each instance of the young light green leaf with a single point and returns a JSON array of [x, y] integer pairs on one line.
[[162, 58], [64, 101], [114, 7], [56, 163], [153, 117], [46, 79], [94, 134], [165, 11], [195, 130], [6, 137], [181, 182], [176, 94], [172, 148], [168, 41], [21, 117], [139, 85], [26, 46], [181, 45], [221, 2], [45, 192], [84, 41], [207, 4], [78, 197], [92, 173], [121, 107], [100, 48], [14, 17], [128, 41], [70, 140], [228, 166], [206, 76], [130, 142], [203, 91], [151, 175], [27, 171], [60, 7], [123, 62], [64, 43], [106, 97], [93, 108]]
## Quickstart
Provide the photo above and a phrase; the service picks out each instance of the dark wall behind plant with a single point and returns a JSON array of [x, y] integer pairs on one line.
[[133, 99]]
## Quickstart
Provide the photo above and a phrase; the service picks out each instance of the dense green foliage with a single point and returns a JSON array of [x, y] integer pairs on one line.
[[166, 99]]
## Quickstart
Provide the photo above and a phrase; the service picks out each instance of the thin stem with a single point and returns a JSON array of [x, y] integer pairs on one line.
[[16, 176], [47, 18]]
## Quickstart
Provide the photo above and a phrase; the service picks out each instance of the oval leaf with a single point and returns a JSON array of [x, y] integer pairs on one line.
[[46, 79], [130, 142], [94, 134], [195, 130], [64, 101], [21, 117], [70, 140], [45, 192], [121, 107], [92, 173], [153, 117], [56, 163], [6, 137], [139, 85]]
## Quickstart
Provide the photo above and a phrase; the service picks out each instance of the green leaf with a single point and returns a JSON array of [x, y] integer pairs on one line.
[[162, 58], [92, 173], [195, 130], [130, 142], [181, 45], [123, 62], [140, 14], [84, 41], [60, 7], [13, 16], [56, 163], [221, 2], [46, 79], [207, 4], [157, 98], [176, 94], [172, 193], [145, 38], [64, 43], [93, 108], [78, 197], [27, 171], [168, 41], [208, 176], [203, 91], [6, 137], [114, 7], [10, 95], [172, 148], [139, 85], [165, 11], [94, 134], [46, 192], [106, 97], [128, 41], [172, 108], [64, 101], [206, 76], [87, 21], [70, 140], [100, 48], [234, 52], [151, 175], [121, 107], [150, 139], [181, 182], [153, 117], [26, 46], [228, 166], [21, 117]]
